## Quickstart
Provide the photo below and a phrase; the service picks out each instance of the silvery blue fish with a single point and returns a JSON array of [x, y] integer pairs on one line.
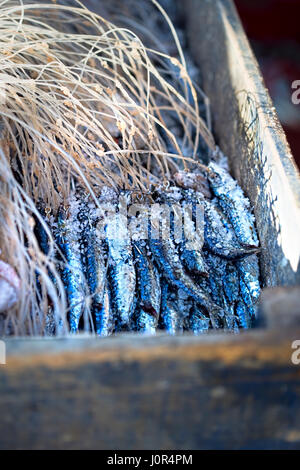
[[171, 317], [168, 260], [234, 204], [243, 314], [68, 240], [41, 234], [220, 238], [248, 270], [94, 255], [104, 315], [193, 237], [230, 318], [217, 270], [231, 283], [121, 271], [198, 322], [167, 257]]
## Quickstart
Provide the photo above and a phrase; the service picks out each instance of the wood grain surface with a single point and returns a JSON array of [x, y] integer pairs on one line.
[[216, 391]]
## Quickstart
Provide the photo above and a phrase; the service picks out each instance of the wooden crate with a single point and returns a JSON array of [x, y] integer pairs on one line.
[[210, 392]]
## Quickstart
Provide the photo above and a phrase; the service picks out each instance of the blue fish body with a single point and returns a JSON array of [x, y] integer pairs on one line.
[[230, 318], [231, 283], [121, 270], [217, 269], [243, 314], [104, 315], [193, 261], [148, 284], [248, 270], [95, 270], [234, 204], [168, 261], [68, 239], [220, 237], [171, 318]]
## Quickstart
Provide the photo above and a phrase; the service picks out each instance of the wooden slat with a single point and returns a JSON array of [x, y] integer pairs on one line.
[[248, 131], [220, 391]]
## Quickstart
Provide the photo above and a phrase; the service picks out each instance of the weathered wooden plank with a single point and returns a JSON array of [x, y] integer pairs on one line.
[[248, 131]]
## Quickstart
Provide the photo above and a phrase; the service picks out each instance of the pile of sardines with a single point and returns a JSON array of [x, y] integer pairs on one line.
[[181, 258]]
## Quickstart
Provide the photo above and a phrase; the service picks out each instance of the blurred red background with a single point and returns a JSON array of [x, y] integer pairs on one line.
[[273, 28]]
